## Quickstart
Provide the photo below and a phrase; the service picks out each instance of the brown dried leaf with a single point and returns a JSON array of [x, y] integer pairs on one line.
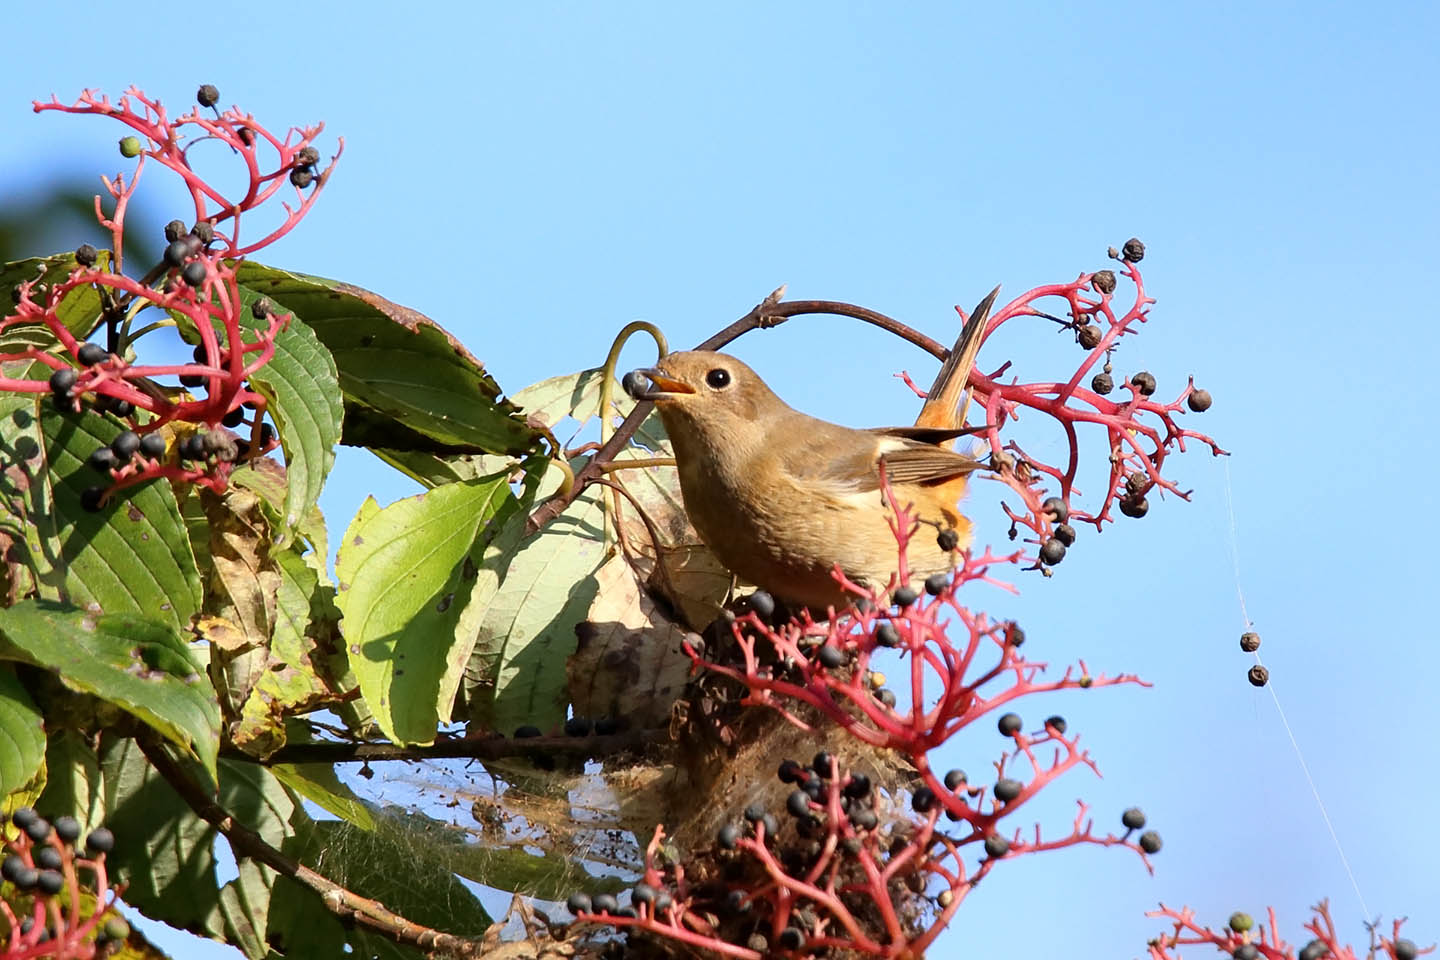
[[629, 662]]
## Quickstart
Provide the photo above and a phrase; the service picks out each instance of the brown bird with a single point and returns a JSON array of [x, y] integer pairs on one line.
[[782, 498]]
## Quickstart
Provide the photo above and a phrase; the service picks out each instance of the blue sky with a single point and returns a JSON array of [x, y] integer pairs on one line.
[[537, 175]]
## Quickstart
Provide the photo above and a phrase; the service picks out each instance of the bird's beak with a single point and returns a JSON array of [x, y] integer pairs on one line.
[[658, 387]]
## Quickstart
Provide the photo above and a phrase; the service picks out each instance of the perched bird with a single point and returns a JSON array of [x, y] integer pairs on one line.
[[782, 498]]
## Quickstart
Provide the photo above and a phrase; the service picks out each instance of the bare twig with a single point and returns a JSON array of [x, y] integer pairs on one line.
[[342, 902]]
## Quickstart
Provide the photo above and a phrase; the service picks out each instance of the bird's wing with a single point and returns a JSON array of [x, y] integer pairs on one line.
[[845, 461]]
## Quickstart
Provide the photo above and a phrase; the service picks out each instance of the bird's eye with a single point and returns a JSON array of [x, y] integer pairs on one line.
[[718, 378]]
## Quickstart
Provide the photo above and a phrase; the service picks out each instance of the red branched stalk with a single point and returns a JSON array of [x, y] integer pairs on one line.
[[194, 288], [1265, 940]]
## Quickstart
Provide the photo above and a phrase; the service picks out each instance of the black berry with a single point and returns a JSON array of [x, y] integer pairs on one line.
[[307, 156], [923, 800], [1150, 841], [12, 867], [527, 731], [858, 787], [86, 255], [1088, 336], [302, 177], [194, 273], [1056, 509], [90, 354], [736, 901], [1102, 383], [1258, 676], [1057, 723], [755, 811], [38, 830], [762, 604], [904, 596], [62, 380], [50, 882], [577, 727], [1103, 281], [193, 447], [207, 95], [1313, 950], [798, 803], [261, 308], [1144, 382], [1135, 507], [152, 445], [90, 499], [101, 840], [124, 446], [954, 779], [1010, 724], [996, 846], [886, 697], [772, 826], [174, 230], [790, 939], [1133, 819], [178, 251], [1014, 635], [821, 764], [1134, 250], [102, 460], [886, 635], [67, 828], [1052, 551], [728, 836], [831, 657], [947, 540], [642, 893], [790, 772], [1007, 789], [1065, 533], [204, 231], [47, 858], [1246, 951], [1405, 950], [1199, 400], [605, 903], [578, 903], [863, 818], [936, 583]]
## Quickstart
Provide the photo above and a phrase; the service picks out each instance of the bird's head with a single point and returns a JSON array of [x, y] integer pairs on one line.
[[702, 386]]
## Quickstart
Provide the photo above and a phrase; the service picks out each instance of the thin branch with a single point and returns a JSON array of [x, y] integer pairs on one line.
[[492, 749], [768, 313], [342, 902]]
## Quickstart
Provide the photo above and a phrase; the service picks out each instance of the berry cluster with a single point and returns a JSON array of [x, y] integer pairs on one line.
[[197, 430], [49, 909], [1141, 432], [1243, 939]]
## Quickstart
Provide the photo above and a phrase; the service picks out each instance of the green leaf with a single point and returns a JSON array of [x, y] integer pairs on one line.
[[75, 785], [166, 853], [405, 575], [318, 783], [141, 666], [132, 556], [402, 376], [79, 311], [526, 631], [22, 733]]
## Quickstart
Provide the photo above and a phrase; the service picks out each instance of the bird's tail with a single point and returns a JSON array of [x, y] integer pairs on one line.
[[943, 407]]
